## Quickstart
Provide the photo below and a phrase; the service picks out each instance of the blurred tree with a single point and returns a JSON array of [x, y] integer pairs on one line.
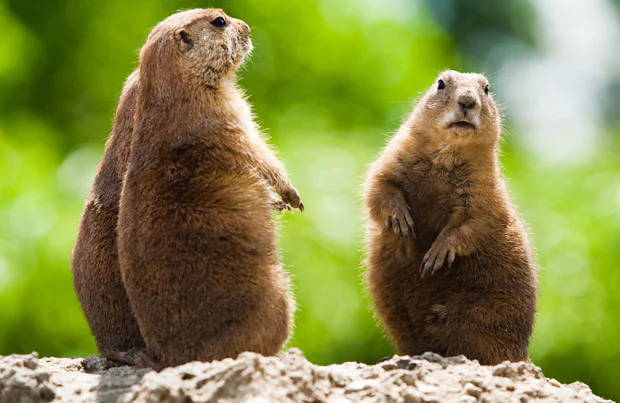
[[486, 32]]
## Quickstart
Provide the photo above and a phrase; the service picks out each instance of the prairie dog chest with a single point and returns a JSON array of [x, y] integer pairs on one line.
[[239, 113], [433, 190], [429, 181]]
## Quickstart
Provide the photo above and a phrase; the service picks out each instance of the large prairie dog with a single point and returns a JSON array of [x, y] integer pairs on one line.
[[96, 272], [449, 264], [197, 241]]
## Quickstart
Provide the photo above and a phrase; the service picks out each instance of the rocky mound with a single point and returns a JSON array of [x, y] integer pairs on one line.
[[287, 378]]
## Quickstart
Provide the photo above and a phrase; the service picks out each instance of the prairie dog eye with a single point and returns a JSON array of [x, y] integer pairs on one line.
[[219, 22], [441, 85], [486, 89]]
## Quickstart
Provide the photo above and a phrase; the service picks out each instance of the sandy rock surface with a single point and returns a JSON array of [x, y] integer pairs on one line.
[[288, 378]]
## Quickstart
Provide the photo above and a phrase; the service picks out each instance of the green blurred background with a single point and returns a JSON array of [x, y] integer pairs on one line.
[[330, 80]]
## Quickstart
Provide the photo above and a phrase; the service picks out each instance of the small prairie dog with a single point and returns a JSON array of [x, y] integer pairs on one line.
[[449, 265], [197, 240], [96, 272]]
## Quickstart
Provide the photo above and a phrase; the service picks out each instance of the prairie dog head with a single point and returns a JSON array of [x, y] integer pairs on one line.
[[203, 46], [458, 108]]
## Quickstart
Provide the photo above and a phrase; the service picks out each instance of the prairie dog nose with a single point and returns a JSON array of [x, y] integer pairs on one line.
[[467, 101], [243, 26]]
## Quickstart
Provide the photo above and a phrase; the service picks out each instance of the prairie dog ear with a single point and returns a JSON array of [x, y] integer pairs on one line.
[[184, 40]]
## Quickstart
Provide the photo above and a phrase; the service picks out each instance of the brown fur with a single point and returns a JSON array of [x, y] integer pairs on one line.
[[449, 264], [197, 242], [96, 272]]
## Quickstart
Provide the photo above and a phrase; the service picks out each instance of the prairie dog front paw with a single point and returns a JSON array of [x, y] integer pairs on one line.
[[291, 197], [443, 249], [399, 220]]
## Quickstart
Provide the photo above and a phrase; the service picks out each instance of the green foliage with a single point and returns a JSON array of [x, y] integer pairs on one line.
[[329, 81]]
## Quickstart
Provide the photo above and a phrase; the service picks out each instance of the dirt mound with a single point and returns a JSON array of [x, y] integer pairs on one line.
[[287, 378]]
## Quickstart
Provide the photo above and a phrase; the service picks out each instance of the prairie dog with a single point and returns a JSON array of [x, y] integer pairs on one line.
[[449, 265], [96, 272], [197, 241]]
